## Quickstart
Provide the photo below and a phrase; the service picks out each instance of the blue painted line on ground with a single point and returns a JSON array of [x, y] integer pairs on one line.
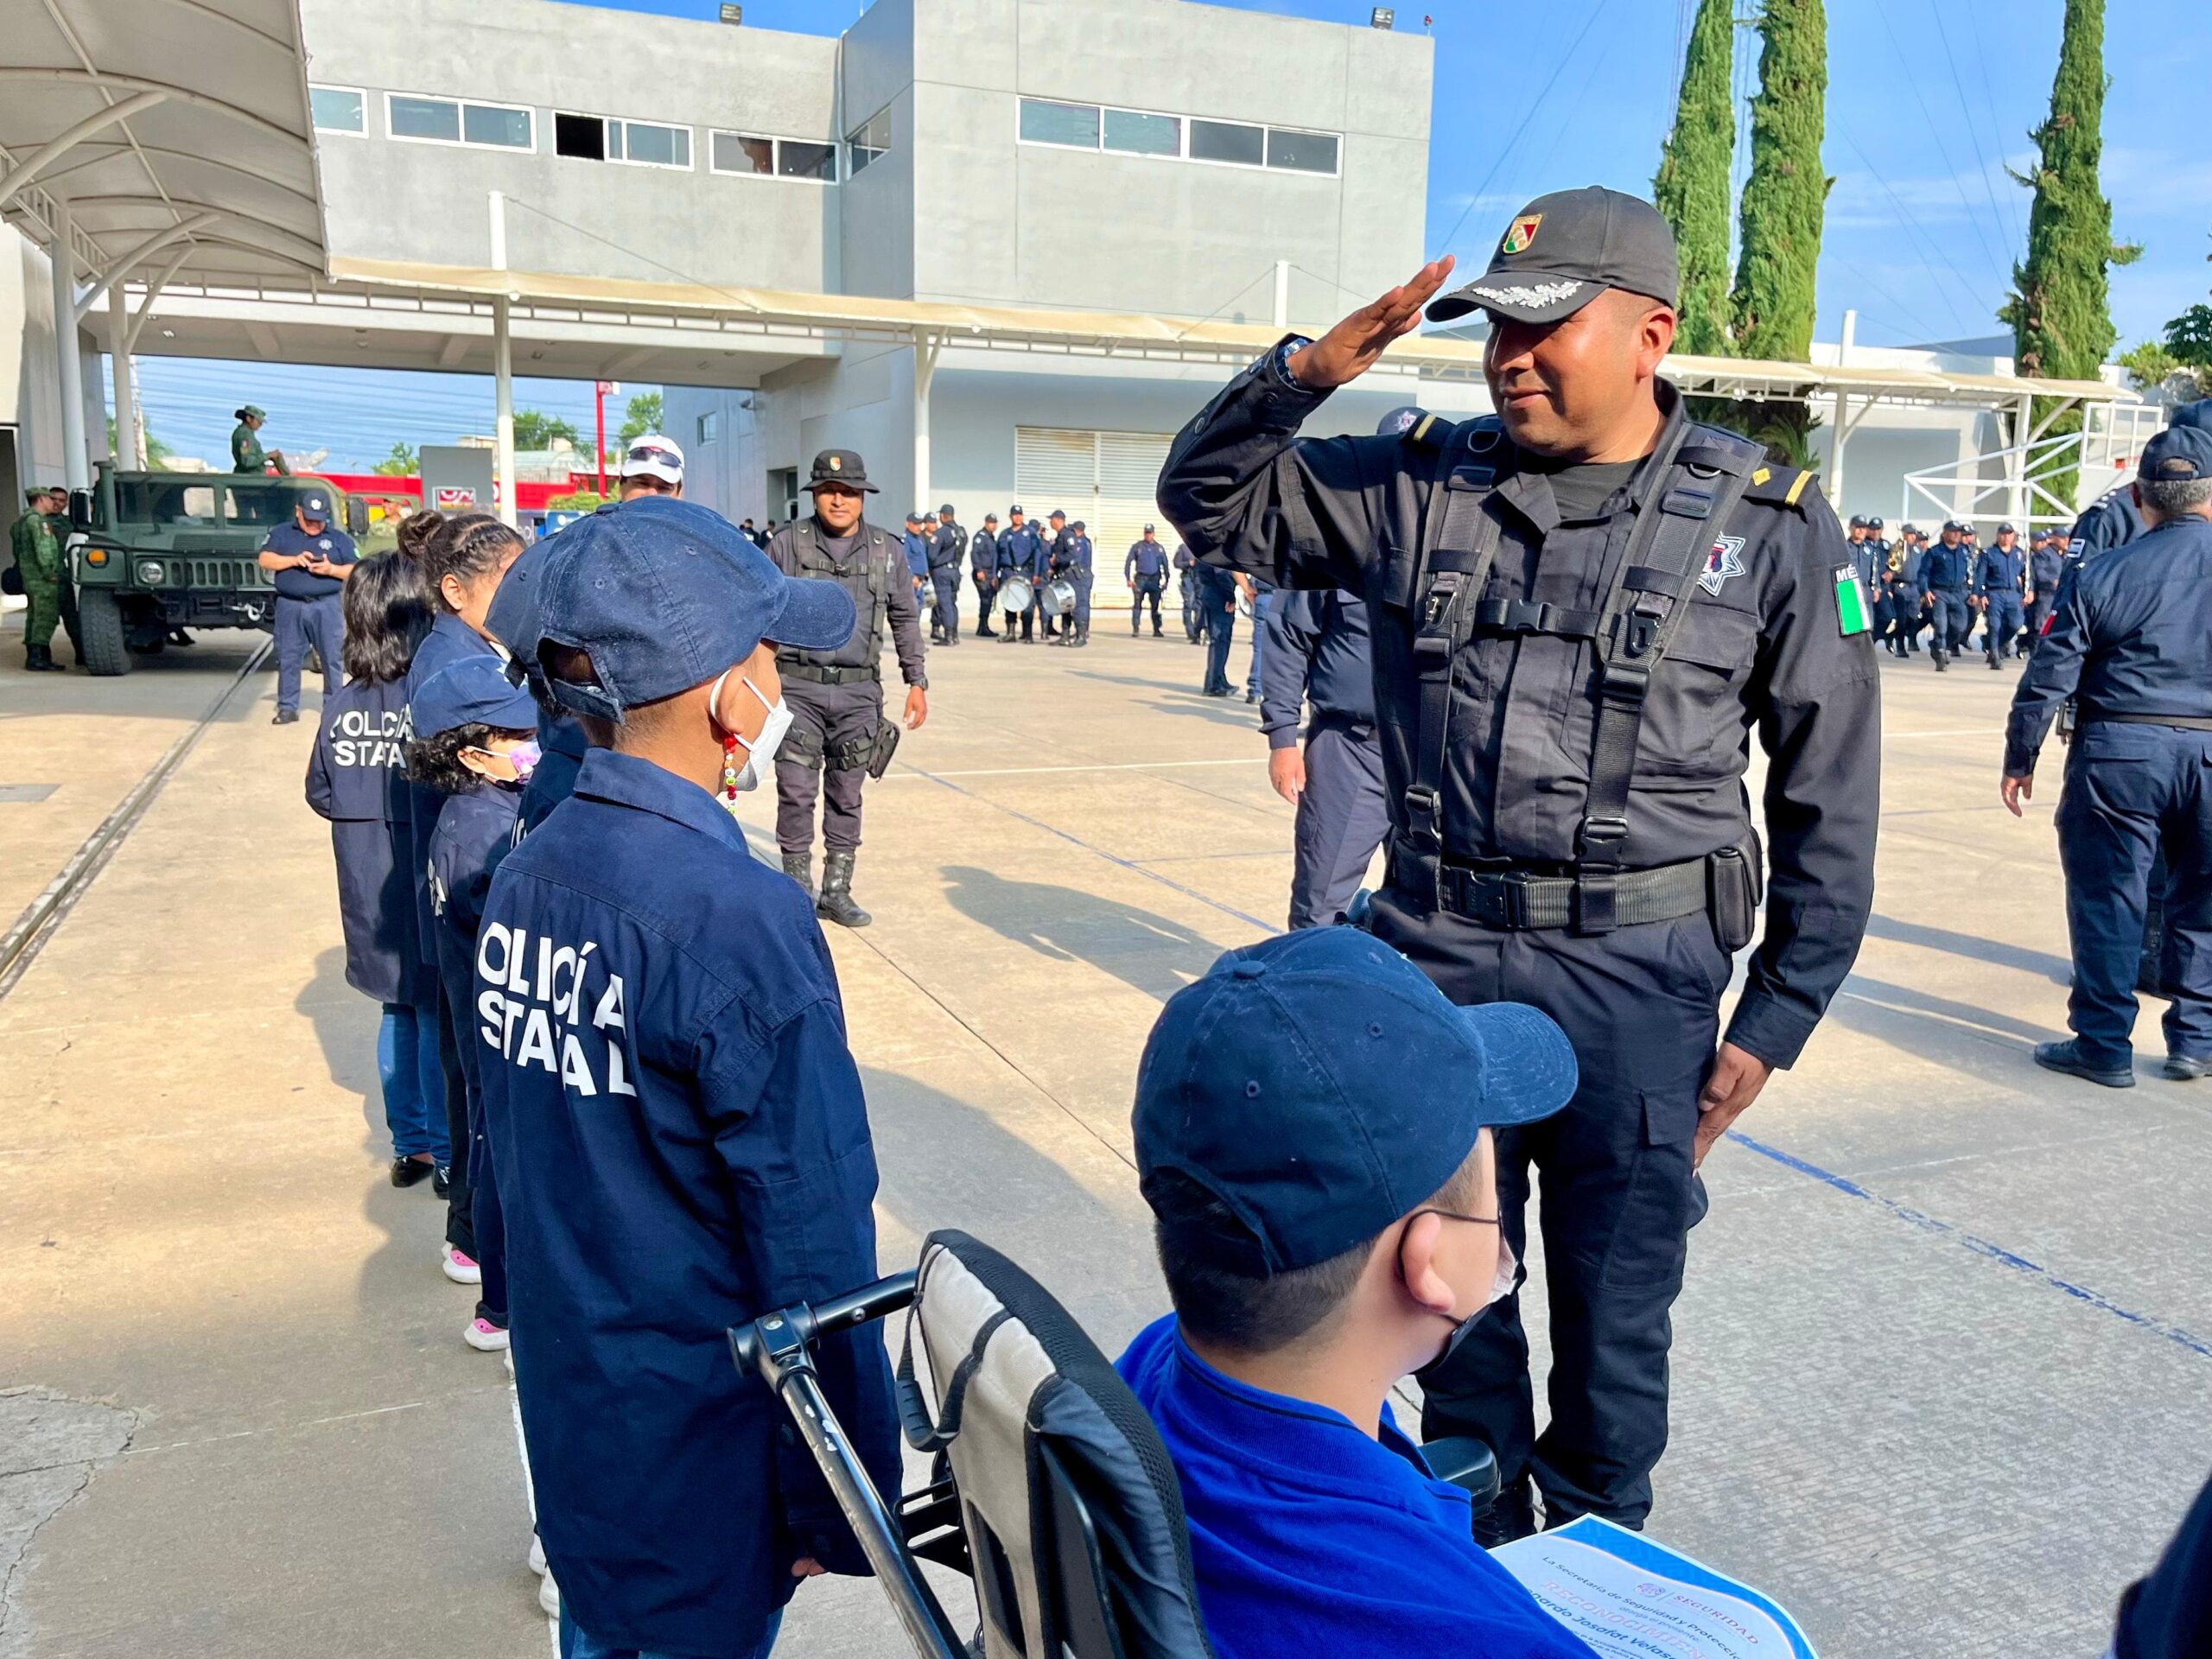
[[1981, 1247], [1114, 859]]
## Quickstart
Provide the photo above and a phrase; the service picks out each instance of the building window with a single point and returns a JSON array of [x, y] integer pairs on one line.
[[1075, 125], [1229, 141], [711, 428], [789, 158], [338, 109], [451, 121], [583, 137], [1135, 133], [1301, 152], [647, 143], [795, 158], [871, 140]]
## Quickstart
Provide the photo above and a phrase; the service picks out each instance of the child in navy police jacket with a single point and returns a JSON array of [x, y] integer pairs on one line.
[[354, 780], [475, 742]]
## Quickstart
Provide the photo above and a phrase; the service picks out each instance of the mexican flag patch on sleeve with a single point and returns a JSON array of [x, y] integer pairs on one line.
[[1850, 609]]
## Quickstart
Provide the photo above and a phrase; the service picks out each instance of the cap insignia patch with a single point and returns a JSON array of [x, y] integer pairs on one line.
[[1521, 233]]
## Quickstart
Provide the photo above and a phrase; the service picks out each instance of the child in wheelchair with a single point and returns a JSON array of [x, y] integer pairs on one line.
[[1312, 1130]]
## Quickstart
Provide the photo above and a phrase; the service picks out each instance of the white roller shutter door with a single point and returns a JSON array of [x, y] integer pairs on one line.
[[1106, 479]]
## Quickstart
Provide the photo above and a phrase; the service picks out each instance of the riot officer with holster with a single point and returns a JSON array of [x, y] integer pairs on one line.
[[838, 733], [1580, 608]]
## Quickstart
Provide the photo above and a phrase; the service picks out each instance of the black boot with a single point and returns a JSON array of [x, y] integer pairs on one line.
[[836, 904], [800, 868], [36, 659]]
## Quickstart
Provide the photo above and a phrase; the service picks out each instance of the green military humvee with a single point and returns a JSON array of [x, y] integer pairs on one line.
[[153, 551]]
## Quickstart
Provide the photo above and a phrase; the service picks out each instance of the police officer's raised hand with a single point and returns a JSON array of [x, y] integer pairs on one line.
[[1350, 348], [2014, 789], [917, 708], [1736, 1080], [1287, 772]]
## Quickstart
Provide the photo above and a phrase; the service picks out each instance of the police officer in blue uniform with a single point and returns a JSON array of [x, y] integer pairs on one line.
[[1021, 554], [1145, 569], [1580, 608], [2132, 641], [1052, 553], [1317, 659], [1078, 561], [2000, 575], [2046, 563], [676, 1119], [1187, 588], [1946, 575], [311, 558], [2112, 520], [948, 541], [983, 570], [1217, 591]]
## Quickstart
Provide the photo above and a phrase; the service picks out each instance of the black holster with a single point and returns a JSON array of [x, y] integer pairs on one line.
[[1734, 886], [878, 761]]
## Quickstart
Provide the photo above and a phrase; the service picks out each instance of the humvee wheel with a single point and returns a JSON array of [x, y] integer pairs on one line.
[[100, 632]]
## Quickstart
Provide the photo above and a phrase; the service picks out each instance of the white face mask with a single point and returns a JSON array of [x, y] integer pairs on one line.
[[761, 750], [1501, 1287]]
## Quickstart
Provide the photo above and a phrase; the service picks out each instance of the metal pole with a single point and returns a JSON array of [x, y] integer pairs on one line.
[[76, 458], [128, 454], [925, 351], [1282, 293], [1835, 455], [599, 430], [503, 372]]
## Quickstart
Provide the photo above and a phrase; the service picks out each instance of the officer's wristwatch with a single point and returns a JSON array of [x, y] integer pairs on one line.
[[1279, 360]]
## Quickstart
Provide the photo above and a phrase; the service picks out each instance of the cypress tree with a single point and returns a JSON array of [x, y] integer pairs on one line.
[[2060, 308], [1692, 186], [1784, 207], [1785, 199]]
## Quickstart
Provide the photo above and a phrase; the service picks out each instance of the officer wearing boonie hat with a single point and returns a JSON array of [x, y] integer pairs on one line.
[[1309, 1108], [652, 465], [836, 694], [1553, 574], [678, 1123], [2132, 641], [311, 558]]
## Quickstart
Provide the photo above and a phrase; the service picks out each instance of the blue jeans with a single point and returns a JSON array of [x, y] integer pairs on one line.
[[414, 1084], [1259, 633], [578, 1644]]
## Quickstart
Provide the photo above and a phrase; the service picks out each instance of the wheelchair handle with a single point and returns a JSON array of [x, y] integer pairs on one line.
[[810, 1320]]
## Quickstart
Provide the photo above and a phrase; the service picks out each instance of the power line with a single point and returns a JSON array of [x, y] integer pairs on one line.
[[1974, 129], [1920, 229], [1935, 132]]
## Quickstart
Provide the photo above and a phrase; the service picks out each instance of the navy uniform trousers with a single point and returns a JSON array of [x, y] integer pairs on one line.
[[2132, 792], [302, 623], [1951, 620], [2002, 623], [1620, 1193], [945, 582], [1148, 590], [1342, 818]]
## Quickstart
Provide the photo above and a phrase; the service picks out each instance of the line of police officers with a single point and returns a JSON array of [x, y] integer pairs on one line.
[[1947, 586]]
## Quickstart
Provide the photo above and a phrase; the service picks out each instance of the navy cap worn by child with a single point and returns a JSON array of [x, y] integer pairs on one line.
[[665, 595], [475, 690], [1319, 1087]]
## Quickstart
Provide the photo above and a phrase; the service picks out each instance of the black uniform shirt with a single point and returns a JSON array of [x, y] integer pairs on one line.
[[2131, 635], [1762, 645], [945, 545], [983, 554]]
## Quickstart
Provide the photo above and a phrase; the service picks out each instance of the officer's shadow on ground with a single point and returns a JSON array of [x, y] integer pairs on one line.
[[345, 1026], [945, 1163], [1959, 1035], [1147, 952], [1996, 952]]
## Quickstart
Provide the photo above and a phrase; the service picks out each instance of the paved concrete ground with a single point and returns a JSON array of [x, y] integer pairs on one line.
[[1942, 1368]]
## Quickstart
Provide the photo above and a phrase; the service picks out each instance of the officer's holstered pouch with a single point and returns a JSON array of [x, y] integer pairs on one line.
[[1734, 884], [886, 744]]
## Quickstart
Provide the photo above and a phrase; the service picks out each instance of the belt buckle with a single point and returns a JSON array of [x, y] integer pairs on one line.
[[1513, 901]]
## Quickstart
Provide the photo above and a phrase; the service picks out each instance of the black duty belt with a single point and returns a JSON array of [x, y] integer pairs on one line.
[[2187, 722], [1514, 901], [821, 676]]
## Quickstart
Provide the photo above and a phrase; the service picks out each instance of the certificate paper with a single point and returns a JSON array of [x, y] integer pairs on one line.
[[1631, 1598]]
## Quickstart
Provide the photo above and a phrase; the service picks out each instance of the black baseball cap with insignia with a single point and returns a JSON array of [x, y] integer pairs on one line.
[[840, 466], [1564, 250]]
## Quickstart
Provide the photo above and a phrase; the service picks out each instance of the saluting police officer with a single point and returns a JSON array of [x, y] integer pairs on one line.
[[1581, 606], [836, 696], [983, 569], [1145, 569], [2131, 640], [948, 541]]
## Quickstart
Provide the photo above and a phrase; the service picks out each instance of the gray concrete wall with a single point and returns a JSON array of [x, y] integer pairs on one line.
[[396, 199], [30, 375]]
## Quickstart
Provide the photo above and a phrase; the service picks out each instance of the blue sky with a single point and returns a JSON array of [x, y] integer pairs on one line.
[[1929, 102]]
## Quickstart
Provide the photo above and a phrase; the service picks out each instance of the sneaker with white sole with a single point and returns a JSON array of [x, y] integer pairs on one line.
[[484, 1337], [548, 1596], [537, 1556], [461, 1269]]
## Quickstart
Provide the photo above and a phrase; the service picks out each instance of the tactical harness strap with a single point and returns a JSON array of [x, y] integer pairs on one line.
[[814, 557], [1704, 473]]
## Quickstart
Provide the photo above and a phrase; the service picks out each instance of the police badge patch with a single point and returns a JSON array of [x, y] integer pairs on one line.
[[1726, 560]]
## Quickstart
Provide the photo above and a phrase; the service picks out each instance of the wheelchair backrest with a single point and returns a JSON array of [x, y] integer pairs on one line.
[[1073, 1514]]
